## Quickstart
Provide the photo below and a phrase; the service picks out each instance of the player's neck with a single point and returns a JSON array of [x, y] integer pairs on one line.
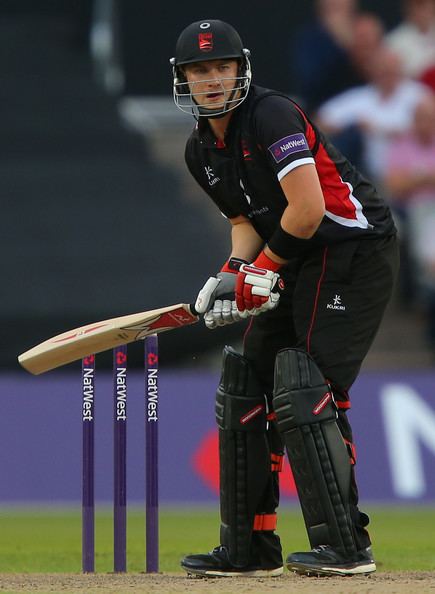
[[219, 125]]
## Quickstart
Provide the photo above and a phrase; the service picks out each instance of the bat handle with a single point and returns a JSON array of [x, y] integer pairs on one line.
[[193, 309]]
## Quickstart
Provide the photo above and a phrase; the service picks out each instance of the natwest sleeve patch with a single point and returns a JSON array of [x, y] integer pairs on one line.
[[288, 145]]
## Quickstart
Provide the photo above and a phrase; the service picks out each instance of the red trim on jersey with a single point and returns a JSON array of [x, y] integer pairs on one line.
[[310, 135], [335, 191], [316, 300]]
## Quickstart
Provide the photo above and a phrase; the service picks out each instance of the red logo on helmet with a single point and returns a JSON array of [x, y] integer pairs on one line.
[[205, 41]]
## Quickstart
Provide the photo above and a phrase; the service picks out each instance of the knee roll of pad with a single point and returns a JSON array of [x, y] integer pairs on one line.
[[243, 453], [306, 418], [240, 401]]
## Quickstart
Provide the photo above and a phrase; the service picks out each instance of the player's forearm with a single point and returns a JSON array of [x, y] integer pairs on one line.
[[297, 226], [302, 215], [246, 243], [302, 220]]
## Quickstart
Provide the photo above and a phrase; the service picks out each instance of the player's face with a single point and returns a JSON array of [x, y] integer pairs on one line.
[[212, 83]]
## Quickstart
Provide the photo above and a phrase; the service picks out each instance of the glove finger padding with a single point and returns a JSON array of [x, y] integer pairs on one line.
[[254, 290], [223, 312]]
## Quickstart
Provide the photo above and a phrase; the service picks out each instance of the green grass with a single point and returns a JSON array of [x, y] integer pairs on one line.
[[50, 540]]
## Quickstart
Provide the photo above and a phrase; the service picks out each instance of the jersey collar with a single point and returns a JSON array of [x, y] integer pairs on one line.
[[207, 137]]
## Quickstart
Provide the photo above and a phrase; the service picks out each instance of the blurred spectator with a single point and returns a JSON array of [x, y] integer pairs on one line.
[[410, 181], [367, 39], [376, 113], [414, 39], [319, 56], [428, 78]]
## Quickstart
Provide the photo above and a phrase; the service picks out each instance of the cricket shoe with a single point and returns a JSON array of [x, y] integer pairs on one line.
[[217, 564], [324, 560]]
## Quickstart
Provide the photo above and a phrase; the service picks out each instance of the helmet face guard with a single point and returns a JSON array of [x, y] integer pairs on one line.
[[184, 93], [205, 41]]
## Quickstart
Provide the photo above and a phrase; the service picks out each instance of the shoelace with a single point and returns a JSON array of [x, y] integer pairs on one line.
[[320, 548], [218, 549]]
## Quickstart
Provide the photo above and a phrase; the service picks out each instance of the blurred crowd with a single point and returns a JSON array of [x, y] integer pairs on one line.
[[373, 92]]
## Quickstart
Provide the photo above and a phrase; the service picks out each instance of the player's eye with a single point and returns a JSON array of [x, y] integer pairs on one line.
[[198, 70]]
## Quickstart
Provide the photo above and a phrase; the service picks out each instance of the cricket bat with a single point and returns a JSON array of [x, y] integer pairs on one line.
[[100, 336]]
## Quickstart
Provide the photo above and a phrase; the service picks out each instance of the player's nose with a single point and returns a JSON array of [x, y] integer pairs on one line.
[[214, 76]]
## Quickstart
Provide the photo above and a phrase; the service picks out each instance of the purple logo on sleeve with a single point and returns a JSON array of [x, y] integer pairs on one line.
[[294, 143]]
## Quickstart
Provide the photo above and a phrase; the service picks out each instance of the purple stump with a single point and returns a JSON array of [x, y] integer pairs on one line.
[[151, 455], [120, 459], [88, 465]]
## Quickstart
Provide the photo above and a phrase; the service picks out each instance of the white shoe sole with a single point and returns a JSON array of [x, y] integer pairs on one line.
[[254, 573], [328, 570]]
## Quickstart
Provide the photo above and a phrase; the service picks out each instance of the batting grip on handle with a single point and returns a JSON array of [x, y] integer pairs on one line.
[[278, 287], [193, 310]]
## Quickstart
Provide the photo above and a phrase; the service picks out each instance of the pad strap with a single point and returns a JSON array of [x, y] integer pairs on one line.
[[277, 462], [265, 522]]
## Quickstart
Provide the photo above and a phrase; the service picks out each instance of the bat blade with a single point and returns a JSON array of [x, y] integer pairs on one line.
[[100, 336]]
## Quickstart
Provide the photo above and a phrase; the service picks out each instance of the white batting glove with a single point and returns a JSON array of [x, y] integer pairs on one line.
[[206, 295], [216, 299], [223, 312], [219, 312]]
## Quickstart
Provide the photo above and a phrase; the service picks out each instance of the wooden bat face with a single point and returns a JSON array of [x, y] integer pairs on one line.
[[101, 336]]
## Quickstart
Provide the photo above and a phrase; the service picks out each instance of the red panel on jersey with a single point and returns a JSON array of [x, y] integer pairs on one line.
[[335, 191]]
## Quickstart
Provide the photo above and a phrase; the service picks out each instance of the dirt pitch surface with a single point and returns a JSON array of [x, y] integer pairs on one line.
[[380, 583]]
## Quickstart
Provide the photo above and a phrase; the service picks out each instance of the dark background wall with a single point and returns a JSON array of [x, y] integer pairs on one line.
[[93, 225], [150, 30], [265, 27]]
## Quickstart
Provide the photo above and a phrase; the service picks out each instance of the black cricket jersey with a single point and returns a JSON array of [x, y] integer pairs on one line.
[[268, 136]]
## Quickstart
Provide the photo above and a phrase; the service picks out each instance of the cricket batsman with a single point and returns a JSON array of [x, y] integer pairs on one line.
[[313, 261]]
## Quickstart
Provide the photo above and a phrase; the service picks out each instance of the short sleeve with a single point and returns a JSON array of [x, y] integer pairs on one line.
[[283, 134]]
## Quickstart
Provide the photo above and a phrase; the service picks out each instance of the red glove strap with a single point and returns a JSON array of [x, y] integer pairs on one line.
[[263, 261]]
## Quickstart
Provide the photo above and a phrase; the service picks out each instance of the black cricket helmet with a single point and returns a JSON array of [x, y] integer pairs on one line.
[[205, 40]]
